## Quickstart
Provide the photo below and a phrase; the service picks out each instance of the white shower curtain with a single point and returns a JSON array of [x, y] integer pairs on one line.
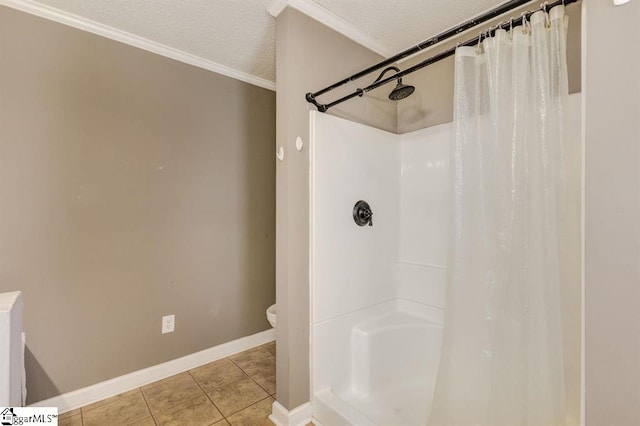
[[511, 345]]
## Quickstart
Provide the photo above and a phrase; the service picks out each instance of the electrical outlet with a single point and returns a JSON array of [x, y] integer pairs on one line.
[[168, 323]]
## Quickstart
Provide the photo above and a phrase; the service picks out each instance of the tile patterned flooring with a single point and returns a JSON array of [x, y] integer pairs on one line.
[[236, 391]]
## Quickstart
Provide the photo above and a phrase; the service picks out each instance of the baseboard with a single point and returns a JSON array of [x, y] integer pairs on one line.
[[99, 391], [299, 416]]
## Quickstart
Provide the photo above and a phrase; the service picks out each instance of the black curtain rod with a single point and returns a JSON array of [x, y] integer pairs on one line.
[[493, 13]]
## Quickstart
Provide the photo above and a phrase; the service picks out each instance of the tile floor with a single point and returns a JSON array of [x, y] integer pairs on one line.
[[237, 390]]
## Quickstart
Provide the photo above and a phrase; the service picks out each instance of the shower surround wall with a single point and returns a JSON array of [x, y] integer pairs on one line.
[[354, 261], [405, 180], [377, 292], [424, 206]]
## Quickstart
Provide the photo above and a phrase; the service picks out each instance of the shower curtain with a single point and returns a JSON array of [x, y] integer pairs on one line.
[[511, 343]]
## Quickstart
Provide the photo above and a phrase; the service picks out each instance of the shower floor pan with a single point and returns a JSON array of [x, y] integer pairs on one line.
[[393, 356]]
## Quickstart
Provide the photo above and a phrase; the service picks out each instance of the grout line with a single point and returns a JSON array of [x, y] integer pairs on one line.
[[83, 408], [148, 407], [207, 395], [252, 379], [248, 406]]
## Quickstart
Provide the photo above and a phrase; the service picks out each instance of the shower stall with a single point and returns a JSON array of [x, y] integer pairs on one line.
[[378, 292], [445, 263]]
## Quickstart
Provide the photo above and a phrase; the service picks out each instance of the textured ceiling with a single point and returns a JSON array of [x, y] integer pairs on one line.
[[400, 24], [240, 34]]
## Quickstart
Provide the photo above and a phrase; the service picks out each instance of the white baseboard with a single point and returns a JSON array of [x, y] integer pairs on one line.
[[81, 397], [299, 416]]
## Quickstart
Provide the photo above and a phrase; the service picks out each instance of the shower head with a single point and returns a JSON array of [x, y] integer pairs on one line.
[[401, 91]]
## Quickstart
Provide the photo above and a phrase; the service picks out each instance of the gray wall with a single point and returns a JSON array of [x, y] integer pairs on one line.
[[132, 186], [310, 56], [612, 213], [432, 102]]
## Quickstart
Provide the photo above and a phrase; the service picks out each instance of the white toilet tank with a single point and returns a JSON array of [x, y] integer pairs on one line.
[[271, 315]]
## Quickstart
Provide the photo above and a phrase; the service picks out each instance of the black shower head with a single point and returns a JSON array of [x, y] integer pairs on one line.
[[401, 91]]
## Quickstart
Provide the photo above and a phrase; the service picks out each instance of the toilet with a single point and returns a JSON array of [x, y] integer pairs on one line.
[[271, 315]]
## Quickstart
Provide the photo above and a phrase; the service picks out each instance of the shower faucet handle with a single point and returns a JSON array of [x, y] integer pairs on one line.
[[362, 214], [367, 215]]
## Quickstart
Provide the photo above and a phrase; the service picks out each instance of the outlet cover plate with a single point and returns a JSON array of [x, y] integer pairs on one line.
[[168, 324]]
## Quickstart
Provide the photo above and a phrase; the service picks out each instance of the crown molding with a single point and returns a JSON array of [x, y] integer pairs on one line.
[[72, 20], [275, 7], [331, 20]]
